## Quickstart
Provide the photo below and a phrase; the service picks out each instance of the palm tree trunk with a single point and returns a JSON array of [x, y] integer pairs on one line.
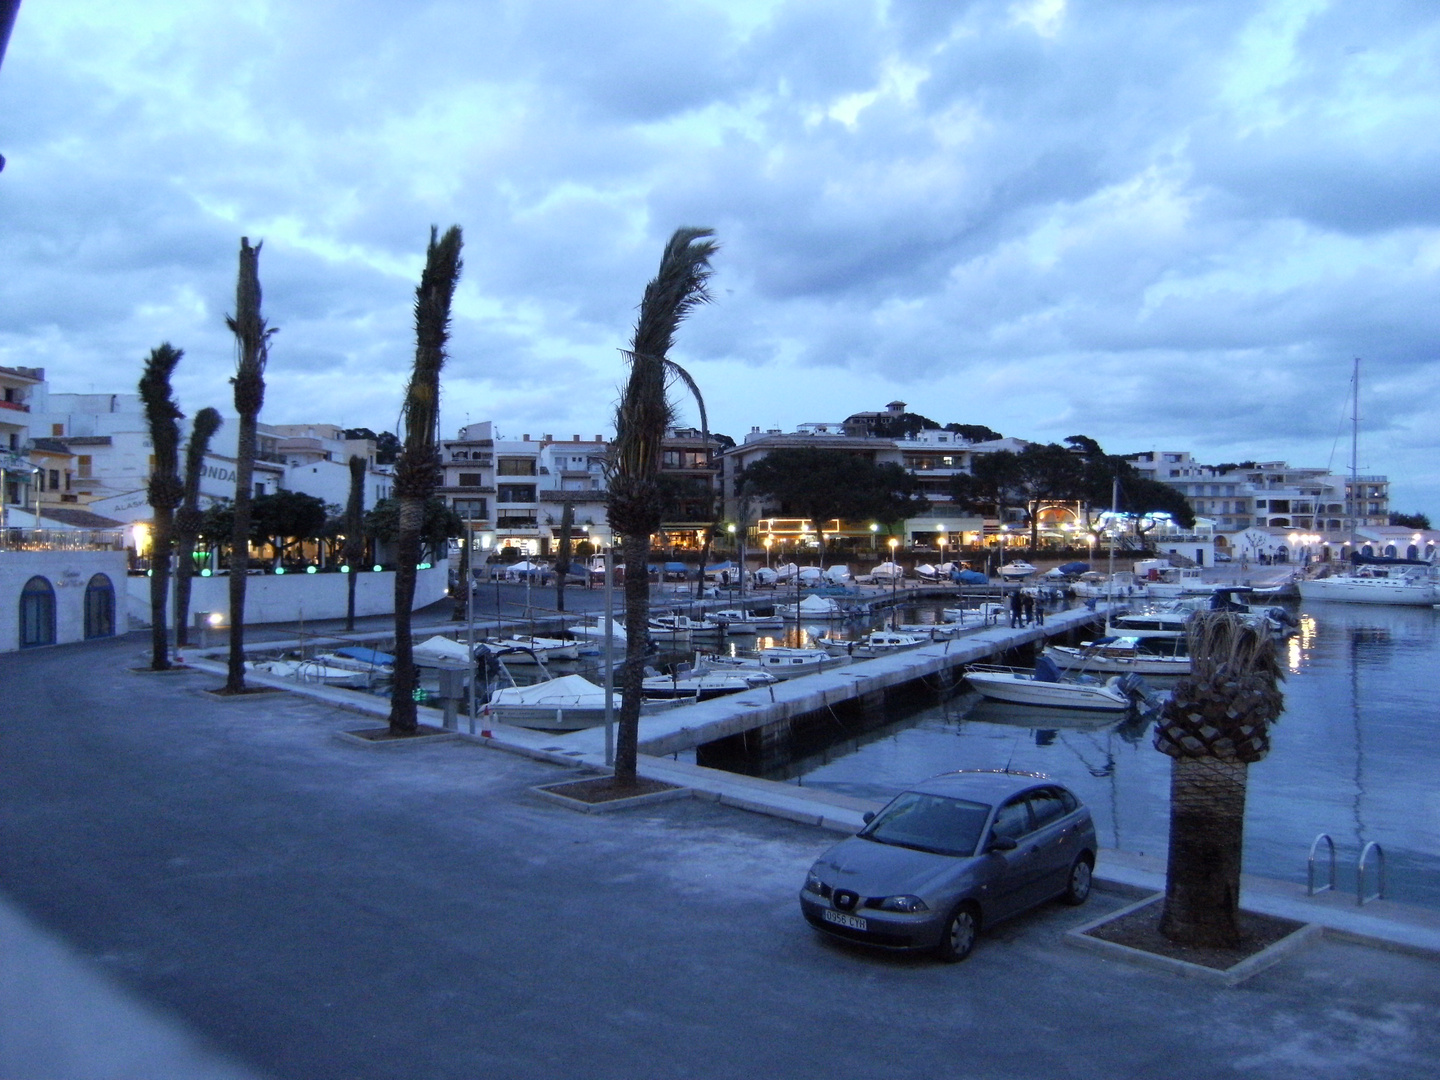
[[354, 534], [636, 549], [562, 554], [1207, 827], [161, 547], [240, 553], [404, 681]]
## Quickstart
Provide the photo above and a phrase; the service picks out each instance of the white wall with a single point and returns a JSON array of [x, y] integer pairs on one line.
[[289, 597], [69, 572]]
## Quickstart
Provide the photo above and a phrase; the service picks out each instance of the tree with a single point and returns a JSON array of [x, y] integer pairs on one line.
[[417, 471], [815, 483], [1216, 723], [901, 427], [1048, 473], [993, 482], [354, 534], [1410, 521], [562, 553], [164, 488], [252, 338], [974, 432], [641, 418], [441, 524], [283, 515], [188, 519]]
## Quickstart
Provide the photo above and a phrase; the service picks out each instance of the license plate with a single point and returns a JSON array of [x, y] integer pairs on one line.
[[839, 918]]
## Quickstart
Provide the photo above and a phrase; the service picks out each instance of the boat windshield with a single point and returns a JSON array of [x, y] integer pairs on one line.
[[929, 823]]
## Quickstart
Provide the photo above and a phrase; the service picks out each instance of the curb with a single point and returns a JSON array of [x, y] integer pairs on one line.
[[1231, 976], [426, 738], [545, 791]]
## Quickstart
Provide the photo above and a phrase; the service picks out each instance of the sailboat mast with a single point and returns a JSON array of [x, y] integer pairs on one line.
[[1354, 454]]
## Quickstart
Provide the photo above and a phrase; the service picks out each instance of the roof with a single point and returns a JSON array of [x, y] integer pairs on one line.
[[80, 519], [50, 446]]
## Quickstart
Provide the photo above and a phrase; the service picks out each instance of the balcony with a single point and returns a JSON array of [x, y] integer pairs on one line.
[[17, 406], [559, 496]]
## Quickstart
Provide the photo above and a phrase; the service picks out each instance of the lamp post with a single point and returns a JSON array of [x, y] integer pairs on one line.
[[768, 541], [940, 542], [874, 529]]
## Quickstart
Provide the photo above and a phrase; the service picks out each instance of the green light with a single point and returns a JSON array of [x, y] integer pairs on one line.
[[419, 694], [423, 566], [204, 573], [149, 573], [376, 568], [279, 570], [344, 569], [310, 569]]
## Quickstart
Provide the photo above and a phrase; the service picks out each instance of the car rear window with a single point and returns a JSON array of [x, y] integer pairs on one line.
[[929, 823]]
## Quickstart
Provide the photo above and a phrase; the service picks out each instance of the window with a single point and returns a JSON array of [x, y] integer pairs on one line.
[[57, 429], [516, 493], [470, 509], [515, 467], [470, 479], [1012, 819], [1047, 806], [55, 480], [86, 464], [99, 608], [37, 613]]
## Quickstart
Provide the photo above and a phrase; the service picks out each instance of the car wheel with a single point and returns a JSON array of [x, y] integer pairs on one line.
[[960, 934], [1077, 886]]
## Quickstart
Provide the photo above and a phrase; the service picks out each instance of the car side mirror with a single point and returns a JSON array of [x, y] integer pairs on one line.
[[1003, 843], [869, 817]]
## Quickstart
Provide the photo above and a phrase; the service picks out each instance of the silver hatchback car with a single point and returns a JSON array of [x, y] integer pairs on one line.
[[960, 851]]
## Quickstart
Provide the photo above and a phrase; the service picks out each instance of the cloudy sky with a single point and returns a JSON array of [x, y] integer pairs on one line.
[[1164, 225]]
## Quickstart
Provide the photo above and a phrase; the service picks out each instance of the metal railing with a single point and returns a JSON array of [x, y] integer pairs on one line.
[[1310, 888], [16, 539], [1361, 897]]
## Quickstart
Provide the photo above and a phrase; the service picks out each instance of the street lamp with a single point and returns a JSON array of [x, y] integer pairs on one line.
[[874, 529], [941, 541], [894, 582], [768, 541]]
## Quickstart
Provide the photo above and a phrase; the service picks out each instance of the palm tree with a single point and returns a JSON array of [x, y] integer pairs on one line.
[[644, 412], [164, 488], [563, 551], [188, 518], [416, 471], [354, 534], [252, 344], [1215, 724]]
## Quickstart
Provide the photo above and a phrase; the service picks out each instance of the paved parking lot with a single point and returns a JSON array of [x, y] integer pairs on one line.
[[245, 885]]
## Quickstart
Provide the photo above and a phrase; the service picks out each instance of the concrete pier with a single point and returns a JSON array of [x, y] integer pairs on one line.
[[694, 725]]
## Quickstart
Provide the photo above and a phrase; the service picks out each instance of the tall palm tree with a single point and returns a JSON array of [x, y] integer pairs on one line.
[[643, 414], [188, 518], [416, 472], [354, 534], [1214, 726], [252, 350], [164, 487], [563, 552]]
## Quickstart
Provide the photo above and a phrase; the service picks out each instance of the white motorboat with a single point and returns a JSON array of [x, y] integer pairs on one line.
[[534, 650], [1160, 580], [781, 661], [876, 643], [704, 681], [1376, 582], [673, 627], [1048, 687], [1094, 585], [987, 614], [1017, 569], [737, 621], [816, 608], [1125, 654], [321, 670], [568, 703]]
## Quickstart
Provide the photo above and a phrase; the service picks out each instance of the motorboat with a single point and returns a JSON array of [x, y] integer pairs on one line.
[[781, 661], [986, 614], [534, 650], [887, 571], [1125, 654], [567, 703], [1373, 580], [876, 643], [1017, 569], [816, 608], [672, 627], [703, 682], [321, 669], [1047, 686], [942, 631], [1161, 580], [737, 621], [1093, 585]]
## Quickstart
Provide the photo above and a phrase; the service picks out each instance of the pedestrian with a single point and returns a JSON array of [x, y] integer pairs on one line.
[[1016, 607], [1040, 612], [1029, 608]]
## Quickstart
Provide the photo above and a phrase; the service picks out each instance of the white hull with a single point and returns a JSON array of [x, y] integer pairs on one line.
[[1358, 590], [1019, 688], [1076, 659]]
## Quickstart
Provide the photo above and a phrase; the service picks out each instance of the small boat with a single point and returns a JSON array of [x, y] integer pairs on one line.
[[781, 661], [681, 626], [817, 608], [534, 650], [1016, 570], [320, 670], [368, 661], [887, 571], [737, 621], [440, 651], [279, 669], [943, 631], [1125, 654], [703, 682], [1160, 580], [1093, 585], [1046, 686], [876, 643], [987, 614]]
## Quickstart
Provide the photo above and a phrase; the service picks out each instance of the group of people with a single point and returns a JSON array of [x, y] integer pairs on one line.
[[1024, 609]]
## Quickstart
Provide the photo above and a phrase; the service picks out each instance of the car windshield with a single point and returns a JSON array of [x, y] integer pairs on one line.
[[929, 823]]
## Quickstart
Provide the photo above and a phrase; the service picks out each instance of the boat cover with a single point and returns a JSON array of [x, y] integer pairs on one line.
[[1046, 670], [364, 655], [1073, 568], [969, 577]]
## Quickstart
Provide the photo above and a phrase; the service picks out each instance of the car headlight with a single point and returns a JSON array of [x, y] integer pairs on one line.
[[908, 904], [813, 883]]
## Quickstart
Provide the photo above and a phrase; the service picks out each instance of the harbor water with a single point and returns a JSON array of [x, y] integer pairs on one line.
[[1354, 756]]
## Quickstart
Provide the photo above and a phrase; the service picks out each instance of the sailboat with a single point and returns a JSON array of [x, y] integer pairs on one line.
[[1371, 580]]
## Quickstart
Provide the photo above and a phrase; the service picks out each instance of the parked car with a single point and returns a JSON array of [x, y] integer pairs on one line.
[[951, 856]]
